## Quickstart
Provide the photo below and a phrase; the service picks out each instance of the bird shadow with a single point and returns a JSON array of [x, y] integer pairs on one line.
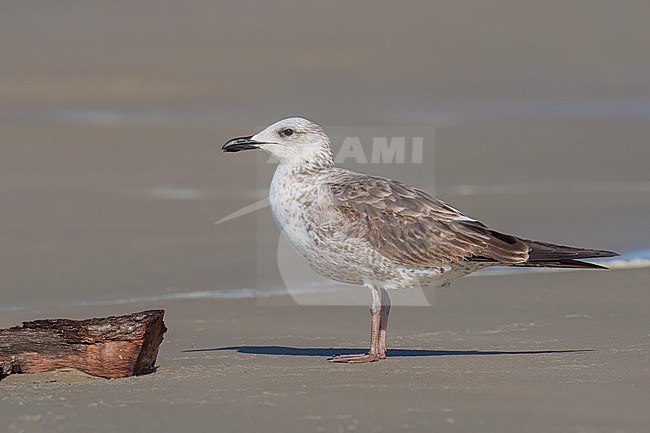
[[392, 353]]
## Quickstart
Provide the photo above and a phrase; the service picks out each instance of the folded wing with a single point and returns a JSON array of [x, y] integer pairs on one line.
[[413, 228]]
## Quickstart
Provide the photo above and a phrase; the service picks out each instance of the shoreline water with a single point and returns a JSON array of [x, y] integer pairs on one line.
[[638, 260]]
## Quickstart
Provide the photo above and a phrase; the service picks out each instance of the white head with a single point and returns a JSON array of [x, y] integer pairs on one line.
[[292, 141]]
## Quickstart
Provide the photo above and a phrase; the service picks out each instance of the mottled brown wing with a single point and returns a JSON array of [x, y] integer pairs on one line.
[[413, 228]]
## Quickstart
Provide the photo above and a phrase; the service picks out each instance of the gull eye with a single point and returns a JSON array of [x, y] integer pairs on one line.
[[288, 132]]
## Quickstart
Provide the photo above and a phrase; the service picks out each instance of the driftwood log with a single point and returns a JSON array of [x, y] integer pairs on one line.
[[109, 347]]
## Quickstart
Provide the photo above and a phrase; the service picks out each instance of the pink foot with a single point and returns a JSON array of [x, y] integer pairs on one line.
[[356, 359]]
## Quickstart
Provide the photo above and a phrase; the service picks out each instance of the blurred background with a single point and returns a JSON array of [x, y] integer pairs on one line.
[[112, 116]]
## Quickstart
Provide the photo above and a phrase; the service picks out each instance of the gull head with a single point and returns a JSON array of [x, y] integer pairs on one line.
[[291, 141]]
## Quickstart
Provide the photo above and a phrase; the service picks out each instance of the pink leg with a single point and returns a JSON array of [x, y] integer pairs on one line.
[[379, 312], [383, 323]]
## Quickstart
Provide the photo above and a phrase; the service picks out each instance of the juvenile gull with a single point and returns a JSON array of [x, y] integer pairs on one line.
[[378, 232]]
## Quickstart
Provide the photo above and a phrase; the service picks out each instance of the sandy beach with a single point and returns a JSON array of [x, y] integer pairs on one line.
[[534, 119], [552, 352]]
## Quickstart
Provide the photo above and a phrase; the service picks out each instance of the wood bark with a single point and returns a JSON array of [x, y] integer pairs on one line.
[[109, 347]]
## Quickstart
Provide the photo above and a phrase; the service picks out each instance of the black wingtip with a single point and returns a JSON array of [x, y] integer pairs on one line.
[[605, 253], [577, 264], [561, 263]]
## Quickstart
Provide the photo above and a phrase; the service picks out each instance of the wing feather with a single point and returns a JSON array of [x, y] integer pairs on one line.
[[413, 228]]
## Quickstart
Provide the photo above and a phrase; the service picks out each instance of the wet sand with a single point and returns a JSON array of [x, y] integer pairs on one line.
[[111, 179], [552, 352]]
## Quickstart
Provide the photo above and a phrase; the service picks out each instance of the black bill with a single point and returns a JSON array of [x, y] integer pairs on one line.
[[241, 143]]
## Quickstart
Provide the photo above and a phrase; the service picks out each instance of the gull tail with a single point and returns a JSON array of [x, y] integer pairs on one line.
[[547, 255]]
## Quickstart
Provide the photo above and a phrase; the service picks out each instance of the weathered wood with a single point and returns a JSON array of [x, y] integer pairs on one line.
[[109, 347]]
